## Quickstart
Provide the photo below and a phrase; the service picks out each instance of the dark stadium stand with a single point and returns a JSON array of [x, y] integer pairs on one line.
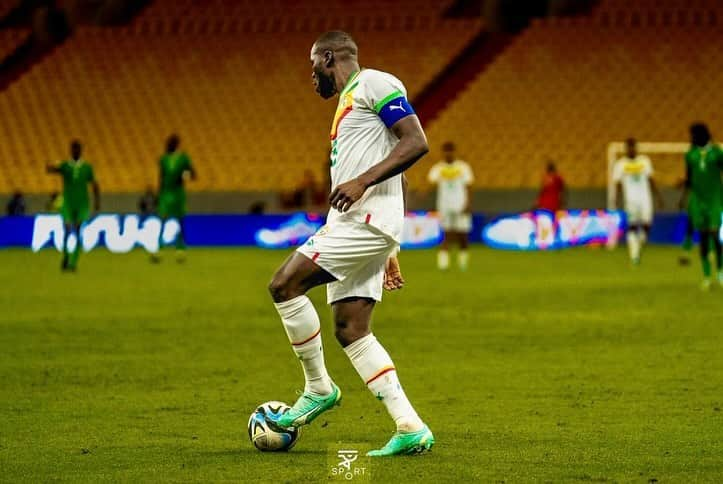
[[10, 39]]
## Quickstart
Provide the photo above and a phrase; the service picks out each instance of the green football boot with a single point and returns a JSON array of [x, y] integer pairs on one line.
[[405, 443], [308, 407]]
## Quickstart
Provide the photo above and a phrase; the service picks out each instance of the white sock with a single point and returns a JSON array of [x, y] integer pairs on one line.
[[376, 368], [643, 237], [304, 331], [463, 259], [633, 245], [443, 260]]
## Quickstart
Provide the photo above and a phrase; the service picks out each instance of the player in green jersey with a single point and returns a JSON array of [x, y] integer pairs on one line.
[[77, 174], [704, 188], [174, 164]]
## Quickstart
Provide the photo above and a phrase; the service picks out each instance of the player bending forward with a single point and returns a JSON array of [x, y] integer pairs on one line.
[[453, 178], [633, 177], [375, 136]]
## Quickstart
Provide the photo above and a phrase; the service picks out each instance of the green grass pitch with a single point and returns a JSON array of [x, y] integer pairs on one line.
[[553, 367]]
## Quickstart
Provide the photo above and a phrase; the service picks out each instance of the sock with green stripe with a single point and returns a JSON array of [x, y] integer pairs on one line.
[[376, 368], [302, 326]]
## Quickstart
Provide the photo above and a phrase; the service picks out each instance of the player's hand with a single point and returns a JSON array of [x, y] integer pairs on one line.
[[393, 279], [346, 194]]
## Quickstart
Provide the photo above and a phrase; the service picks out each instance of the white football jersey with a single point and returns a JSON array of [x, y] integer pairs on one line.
[[370, 103], [452, 180], [634, 174]]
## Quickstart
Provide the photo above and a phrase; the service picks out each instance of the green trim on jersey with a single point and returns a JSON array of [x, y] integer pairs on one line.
[[349, 86], [378, 106]]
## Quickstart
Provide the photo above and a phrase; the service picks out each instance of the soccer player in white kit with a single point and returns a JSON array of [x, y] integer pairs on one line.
[[375, 137], [633, 178], [453, 177]]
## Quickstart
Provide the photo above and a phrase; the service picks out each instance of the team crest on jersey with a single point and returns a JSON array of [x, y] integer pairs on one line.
[[450, 172], [633, 168]]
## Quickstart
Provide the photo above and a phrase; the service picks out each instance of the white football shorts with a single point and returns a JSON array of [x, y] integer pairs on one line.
[[455, 222], [639, 213], [355, 254]]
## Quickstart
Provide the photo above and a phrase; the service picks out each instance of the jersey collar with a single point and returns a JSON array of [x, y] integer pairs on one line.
[[352, 78]]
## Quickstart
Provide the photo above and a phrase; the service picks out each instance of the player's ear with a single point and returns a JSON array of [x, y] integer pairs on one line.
[[328, 59]]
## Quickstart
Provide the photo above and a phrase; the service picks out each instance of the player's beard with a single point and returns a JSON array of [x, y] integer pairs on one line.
[[325, 85]]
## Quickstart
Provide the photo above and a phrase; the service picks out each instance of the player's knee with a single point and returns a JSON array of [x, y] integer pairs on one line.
[[282, 288], [347, 333], [278, 288]]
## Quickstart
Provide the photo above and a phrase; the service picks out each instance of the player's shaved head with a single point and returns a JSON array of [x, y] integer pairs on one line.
[[333, 60], [699, 134], [631, 147], [172, 143], [338, 42], [76, 149]]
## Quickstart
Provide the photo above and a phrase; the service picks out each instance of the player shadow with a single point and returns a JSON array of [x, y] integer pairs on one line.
[[245, 451]]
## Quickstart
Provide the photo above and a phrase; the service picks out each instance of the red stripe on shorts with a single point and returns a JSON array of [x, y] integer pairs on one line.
[[315, 256], [369, 217]]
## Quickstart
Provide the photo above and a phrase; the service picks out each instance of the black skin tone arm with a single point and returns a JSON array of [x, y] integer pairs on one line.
[[405, 186], [52, 169], [618, 195], [411, 147], [656, 193], [686, 189], [192, 171], [96, 195]]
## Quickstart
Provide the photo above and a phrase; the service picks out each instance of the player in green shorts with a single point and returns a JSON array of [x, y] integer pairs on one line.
[[174, 164], [704, 187], [77, 174]]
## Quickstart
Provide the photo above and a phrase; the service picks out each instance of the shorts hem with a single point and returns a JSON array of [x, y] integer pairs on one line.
[[312, 258]]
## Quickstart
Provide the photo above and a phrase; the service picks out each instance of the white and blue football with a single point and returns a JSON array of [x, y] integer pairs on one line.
[[265, 435]]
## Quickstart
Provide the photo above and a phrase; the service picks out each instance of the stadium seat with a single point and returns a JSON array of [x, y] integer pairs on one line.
[[567, 87], [235, 87]]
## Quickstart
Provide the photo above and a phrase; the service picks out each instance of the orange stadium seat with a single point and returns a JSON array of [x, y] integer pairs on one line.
[[567, 87], [237, 89]]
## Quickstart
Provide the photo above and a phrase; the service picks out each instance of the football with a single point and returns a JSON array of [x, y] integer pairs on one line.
[[265, 435]]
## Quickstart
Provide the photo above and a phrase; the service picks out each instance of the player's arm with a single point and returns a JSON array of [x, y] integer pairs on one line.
[[191, 169], [52, 168], [618, 203], [411, 147], [683, 202], [405, 187], [659, 203], [393, 279], [96, 195], [160, 177]]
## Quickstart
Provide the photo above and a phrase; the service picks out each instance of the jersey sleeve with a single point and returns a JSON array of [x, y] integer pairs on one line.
[[648, 167], [433, 175], [388, 98], [617, 172], [468, 174], [186, 162]]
